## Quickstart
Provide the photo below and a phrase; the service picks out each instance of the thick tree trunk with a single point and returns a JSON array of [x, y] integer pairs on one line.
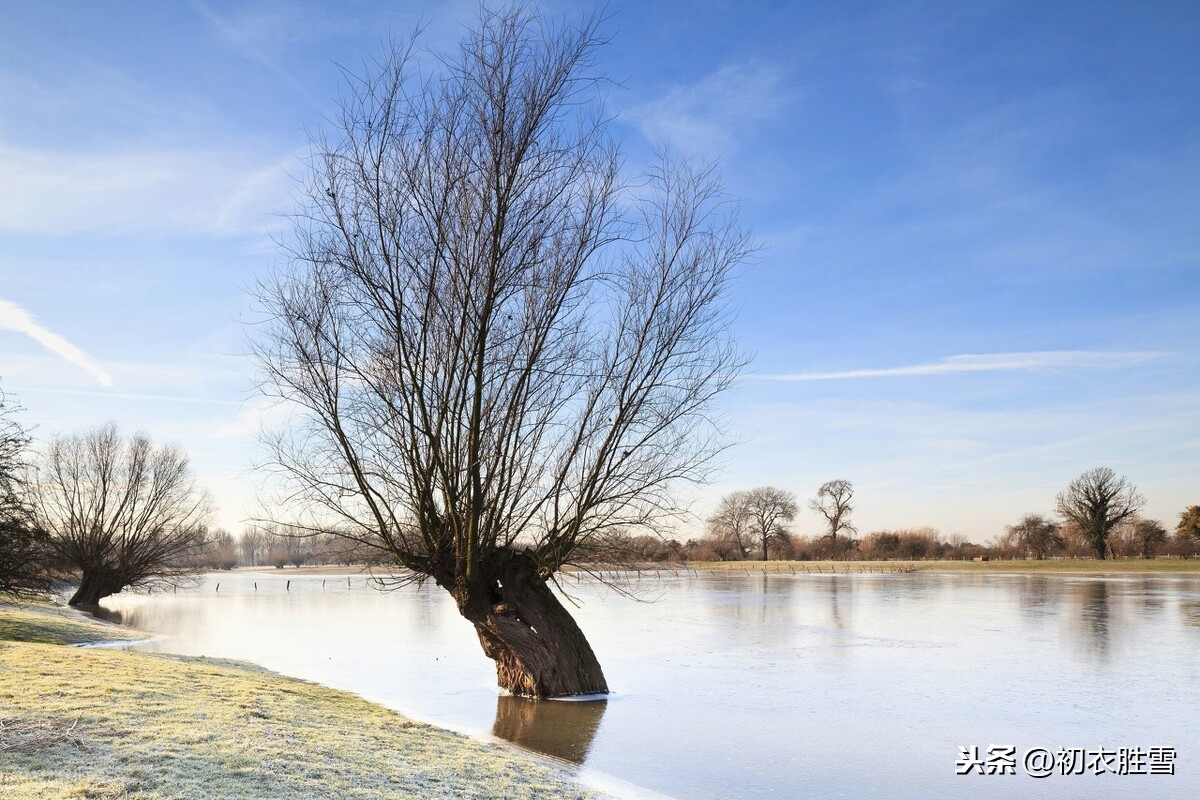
[[94, 587], [538, 649]]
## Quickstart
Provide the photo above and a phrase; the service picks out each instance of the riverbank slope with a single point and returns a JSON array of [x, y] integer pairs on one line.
[[107, 723]]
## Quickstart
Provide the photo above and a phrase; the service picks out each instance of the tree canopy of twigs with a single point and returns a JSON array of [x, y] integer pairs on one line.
[[120, 512], [502, 348], [753, 519], [1096, 502], [1037, 535], [834, 502]]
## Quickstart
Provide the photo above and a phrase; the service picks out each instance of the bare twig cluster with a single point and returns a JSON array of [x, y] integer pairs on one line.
[[27, 734]]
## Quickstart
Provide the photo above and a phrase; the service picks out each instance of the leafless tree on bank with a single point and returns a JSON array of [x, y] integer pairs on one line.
[[770, 509], [730, 524], [1037, 535], [1147, 536], [253, 545], [754, 517], [1096, 502], [834, 503], [220, 550], [502, 351], [123, 513]]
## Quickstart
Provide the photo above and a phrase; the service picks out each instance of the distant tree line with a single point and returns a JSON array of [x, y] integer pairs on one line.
[[268, 546], [1097, 517], [105, 512]]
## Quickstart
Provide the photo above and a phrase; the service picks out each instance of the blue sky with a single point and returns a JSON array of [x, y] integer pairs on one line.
[[981, 228]]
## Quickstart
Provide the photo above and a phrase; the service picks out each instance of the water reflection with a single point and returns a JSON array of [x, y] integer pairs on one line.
[[1151, 595], [1036, 598], [757, 605], [111, 615], [562, 729], [835, 611], [1092, 621]]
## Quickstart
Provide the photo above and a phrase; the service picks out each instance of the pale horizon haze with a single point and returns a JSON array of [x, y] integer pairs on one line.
[[980, 272]]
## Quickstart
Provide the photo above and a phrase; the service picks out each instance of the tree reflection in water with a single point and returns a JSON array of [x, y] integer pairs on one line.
[[1094, 621], [1190, 611], [563, 729], [109, 615]]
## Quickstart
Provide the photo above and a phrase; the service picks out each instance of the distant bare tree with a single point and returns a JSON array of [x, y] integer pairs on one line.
[[834, 503], [1148, 535], [123, 513], [753, 518], [253, 546], [770, 509], [23, 551], [1037, 535], [501, 352], [1096, 502], [220, 551], [730, 524]]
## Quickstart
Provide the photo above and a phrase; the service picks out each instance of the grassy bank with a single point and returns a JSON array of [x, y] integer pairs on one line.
[[1080, 566], [94, 723], [46, 623]]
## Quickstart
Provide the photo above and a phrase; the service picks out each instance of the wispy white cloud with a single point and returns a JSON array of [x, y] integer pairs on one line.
[[712, 114], [256, 417], [15, 318], [989, 362], [256, 34], [138, 396], [120, 192]]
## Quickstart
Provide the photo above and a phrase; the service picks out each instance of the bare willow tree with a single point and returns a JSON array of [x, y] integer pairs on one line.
[[754, 517], [500, 350], [1147, 535], [770, 509], [834, 502], [730, 524], [1096, 502], [23, 551], [1036, 534], [121, 512]]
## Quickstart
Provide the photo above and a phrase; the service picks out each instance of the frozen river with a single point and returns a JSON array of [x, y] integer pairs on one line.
[[756, 686]]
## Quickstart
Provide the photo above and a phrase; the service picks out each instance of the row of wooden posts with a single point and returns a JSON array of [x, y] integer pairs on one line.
[[289, 585], [815, 569]]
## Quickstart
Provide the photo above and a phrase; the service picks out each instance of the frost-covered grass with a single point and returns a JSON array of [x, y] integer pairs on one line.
[[43, 622], [95, 723]]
